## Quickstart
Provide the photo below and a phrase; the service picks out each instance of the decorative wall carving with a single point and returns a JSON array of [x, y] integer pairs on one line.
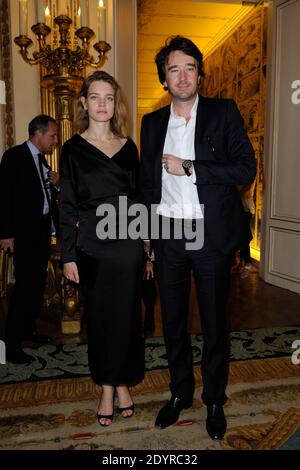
[[229, 56], [237, 69], [212, 74], [248, 86]]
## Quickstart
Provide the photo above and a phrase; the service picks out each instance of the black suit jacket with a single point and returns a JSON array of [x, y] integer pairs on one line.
[[224, 158], [21, 195]]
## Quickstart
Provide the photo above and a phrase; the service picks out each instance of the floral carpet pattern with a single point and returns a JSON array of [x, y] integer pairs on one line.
[[263, 413], [54, 361]]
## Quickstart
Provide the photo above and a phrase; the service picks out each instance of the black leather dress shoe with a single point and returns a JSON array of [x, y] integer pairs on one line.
[[216, 422], [18, 357], [169, 413]]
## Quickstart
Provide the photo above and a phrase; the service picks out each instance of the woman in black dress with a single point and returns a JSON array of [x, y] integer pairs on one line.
[[97, 167]]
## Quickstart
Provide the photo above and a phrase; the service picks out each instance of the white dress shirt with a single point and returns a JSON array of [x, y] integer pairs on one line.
[[179, 198], [34, 152]]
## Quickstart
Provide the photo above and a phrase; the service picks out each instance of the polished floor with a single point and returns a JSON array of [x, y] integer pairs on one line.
[[252, 304]]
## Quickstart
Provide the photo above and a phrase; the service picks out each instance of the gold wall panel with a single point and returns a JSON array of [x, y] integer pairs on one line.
[[237, 69]]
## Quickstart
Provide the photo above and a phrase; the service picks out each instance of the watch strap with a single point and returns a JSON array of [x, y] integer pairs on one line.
[[187, 167]]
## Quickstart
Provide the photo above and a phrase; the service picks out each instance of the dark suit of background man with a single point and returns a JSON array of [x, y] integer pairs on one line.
[[193, 152], [26, 206]]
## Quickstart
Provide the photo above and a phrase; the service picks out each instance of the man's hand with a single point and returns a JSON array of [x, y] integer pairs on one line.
[[7, 244], [173, 165], [54, 178], [148, 270], [71, 272]]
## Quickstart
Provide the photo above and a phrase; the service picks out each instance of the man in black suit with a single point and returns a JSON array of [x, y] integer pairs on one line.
[[193, 155], [27, 210]]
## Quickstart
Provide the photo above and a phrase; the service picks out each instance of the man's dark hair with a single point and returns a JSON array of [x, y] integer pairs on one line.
[[177, 43], [40, 123]]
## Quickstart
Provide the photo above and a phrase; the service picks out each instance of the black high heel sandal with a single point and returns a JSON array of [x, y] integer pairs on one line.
[[110, 417], [127, 408], [99, 416]]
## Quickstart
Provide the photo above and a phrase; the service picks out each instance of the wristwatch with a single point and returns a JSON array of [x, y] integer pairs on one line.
[[186, 165]]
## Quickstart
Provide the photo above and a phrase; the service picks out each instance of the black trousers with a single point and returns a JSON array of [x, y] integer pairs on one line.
[[211, 269], [31, 257]]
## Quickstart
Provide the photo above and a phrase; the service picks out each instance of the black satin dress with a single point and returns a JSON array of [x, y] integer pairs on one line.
[[110, 269]]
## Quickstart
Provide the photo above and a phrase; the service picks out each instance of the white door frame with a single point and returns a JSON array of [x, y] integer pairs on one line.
[[280, 250]]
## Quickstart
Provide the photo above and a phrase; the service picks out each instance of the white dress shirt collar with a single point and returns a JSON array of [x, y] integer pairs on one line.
[[33, 149], [193, 110]]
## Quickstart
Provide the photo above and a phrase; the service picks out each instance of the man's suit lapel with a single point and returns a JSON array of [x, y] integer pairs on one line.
[[32, 170], [30, 164], [200, 124], [161, 131]]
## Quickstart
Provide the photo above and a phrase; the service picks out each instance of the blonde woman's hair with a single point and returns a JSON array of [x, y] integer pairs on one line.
[[118, 122]]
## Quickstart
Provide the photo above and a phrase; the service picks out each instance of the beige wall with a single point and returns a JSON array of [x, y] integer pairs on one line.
[[109, 65], [26, 101], [125, 53]]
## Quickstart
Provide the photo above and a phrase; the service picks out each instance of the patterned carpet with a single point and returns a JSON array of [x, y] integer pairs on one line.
[[56, 361], [263, 413]]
